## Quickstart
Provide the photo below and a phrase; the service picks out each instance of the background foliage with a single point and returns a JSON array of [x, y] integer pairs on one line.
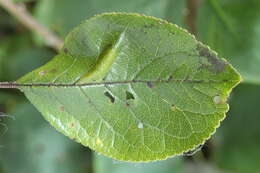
[[232, 28]]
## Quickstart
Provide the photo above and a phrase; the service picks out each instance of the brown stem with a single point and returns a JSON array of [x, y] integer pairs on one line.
[[192, 14], [8, 85], [19, 12]]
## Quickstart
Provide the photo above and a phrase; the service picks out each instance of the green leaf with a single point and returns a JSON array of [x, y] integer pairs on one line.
[[232, 28], [133, 88]]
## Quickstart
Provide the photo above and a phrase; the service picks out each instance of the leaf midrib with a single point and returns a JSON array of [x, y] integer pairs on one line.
[[119, 83]]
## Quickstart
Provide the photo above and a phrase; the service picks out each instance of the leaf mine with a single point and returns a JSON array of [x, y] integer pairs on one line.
[[218, 65]]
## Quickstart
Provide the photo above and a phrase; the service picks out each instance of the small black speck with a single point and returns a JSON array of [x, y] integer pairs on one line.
[[170, 78], [150, 84], [172, 33]]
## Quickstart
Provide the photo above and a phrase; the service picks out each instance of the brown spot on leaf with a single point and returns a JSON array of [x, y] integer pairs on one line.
[[62, 109], [217, 65], [53, 70], [72, 125], [66, 50]]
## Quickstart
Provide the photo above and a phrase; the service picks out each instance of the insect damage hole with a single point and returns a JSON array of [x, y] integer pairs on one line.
[[129, 96], [109, 95], [140, 125]]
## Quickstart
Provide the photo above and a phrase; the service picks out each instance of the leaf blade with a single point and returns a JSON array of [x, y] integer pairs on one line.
[[160, 94]]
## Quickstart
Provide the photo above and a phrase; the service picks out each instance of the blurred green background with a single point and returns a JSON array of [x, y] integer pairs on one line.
[[28, 144]]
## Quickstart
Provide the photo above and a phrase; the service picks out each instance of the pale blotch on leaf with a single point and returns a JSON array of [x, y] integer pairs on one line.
[[140, 125], [217, 100], [42, 73], [99, 142]]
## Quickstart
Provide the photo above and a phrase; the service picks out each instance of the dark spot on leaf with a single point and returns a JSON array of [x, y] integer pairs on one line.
[[129, 95], [148, 25], [109, 95], [172, 33], [150, 84], [72, 125], [193, 151], [66, 50], [218, 65], [127, 104], [173, 107], [53, 70], [170, 78]]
